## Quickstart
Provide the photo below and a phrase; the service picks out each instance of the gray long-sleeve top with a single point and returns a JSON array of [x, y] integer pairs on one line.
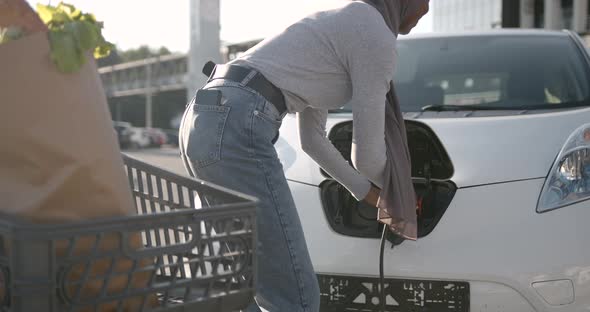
[[323, 62]]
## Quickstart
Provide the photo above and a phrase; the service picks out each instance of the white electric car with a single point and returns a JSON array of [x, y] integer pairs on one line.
[[499, 131]]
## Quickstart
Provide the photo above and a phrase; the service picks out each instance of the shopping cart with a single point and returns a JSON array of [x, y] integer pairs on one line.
[[199, 252]]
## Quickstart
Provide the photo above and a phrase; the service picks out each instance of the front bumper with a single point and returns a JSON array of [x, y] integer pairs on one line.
[[490, 237]]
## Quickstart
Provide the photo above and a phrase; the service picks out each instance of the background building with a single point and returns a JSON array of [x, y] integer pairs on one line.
[[460, 15], [153, 92], [554, 14]]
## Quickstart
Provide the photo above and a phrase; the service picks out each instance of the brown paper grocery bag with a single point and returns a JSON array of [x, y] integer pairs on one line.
[[18, 13], [59, 157], [58, 151]]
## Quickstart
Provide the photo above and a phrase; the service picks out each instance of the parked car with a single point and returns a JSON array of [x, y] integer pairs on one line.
[[123, 130], [499, 134], [157, 136], [139, 138], [172, 137]]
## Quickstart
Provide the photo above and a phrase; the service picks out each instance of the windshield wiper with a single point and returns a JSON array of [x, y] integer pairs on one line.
[[339, 111], [455, 108]]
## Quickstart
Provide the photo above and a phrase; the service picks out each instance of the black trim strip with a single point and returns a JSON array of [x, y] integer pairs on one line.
[[505, 182], [459, 188]]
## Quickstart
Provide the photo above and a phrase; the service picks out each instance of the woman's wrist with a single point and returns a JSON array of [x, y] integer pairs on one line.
[[373, 196]]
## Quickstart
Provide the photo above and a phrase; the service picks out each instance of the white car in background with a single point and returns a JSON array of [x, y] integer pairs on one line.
[[499, 132], [139, 138]]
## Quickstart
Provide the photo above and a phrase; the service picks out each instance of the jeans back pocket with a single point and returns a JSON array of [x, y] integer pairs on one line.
[[204, 142]]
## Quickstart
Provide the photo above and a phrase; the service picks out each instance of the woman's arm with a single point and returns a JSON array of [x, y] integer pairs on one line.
[[371, 61], [367, 51], [312, 134]]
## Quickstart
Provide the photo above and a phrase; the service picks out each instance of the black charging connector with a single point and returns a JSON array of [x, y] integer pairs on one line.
[[395, 240]]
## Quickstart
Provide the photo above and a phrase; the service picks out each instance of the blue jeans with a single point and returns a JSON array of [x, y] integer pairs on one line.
[[231, 145]]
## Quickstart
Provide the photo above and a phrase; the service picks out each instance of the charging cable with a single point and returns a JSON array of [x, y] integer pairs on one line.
[[381, 273]]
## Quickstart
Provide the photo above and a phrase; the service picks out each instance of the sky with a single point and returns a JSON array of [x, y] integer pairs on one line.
[[131, 23]]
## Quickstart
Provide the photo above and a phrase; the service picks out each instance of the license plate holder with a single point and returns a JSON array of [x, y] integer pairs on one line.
[[351, 294]]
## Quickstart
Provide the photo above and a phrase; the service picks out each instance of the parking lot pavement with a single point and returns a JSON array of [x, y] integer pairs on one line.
[[167, 158]]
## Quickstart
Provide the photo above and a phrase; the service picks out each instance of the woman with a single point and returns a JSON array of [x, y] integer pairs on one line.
[[321, 62]]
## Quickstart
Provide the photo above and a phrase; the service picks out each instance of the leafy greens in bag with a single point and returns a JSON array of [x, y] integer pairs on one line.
[[72, 33]]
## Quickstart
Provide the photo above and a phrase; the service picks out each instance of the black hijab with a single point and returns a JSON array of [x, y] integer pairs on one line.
[[397, 201], [394, 11]]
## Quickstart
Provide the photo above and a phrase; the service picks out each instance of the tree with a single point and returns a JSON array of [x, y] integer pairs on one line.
[[121, 56], [141, 53], [164, 51], [113, 59]]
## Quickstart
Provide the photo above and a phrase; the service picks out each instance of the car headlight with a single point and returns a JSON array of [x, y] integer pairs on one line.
[[569, 179]]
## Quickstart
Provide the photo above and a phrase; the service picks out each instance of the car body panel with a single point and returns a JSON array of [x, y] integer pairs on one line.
[[489, 234], [505, 156], [487, 150], [494, 297]]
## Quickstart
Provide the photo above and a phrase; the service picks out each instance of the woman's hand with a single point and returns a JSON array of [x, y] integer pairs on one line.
[[373, 196]]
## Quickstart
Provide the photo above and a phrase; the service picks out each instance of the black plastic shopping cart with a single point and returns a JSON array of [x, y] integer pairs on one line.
[[198, 253]]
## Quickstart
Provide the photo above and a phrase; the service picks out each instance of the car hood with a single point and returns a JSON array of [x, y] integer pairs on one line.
[[483, 150], [487, 150]]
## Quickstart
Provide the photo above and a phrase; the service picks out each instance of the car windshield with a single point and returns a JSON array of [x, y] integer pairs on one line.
[[490, 71]]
